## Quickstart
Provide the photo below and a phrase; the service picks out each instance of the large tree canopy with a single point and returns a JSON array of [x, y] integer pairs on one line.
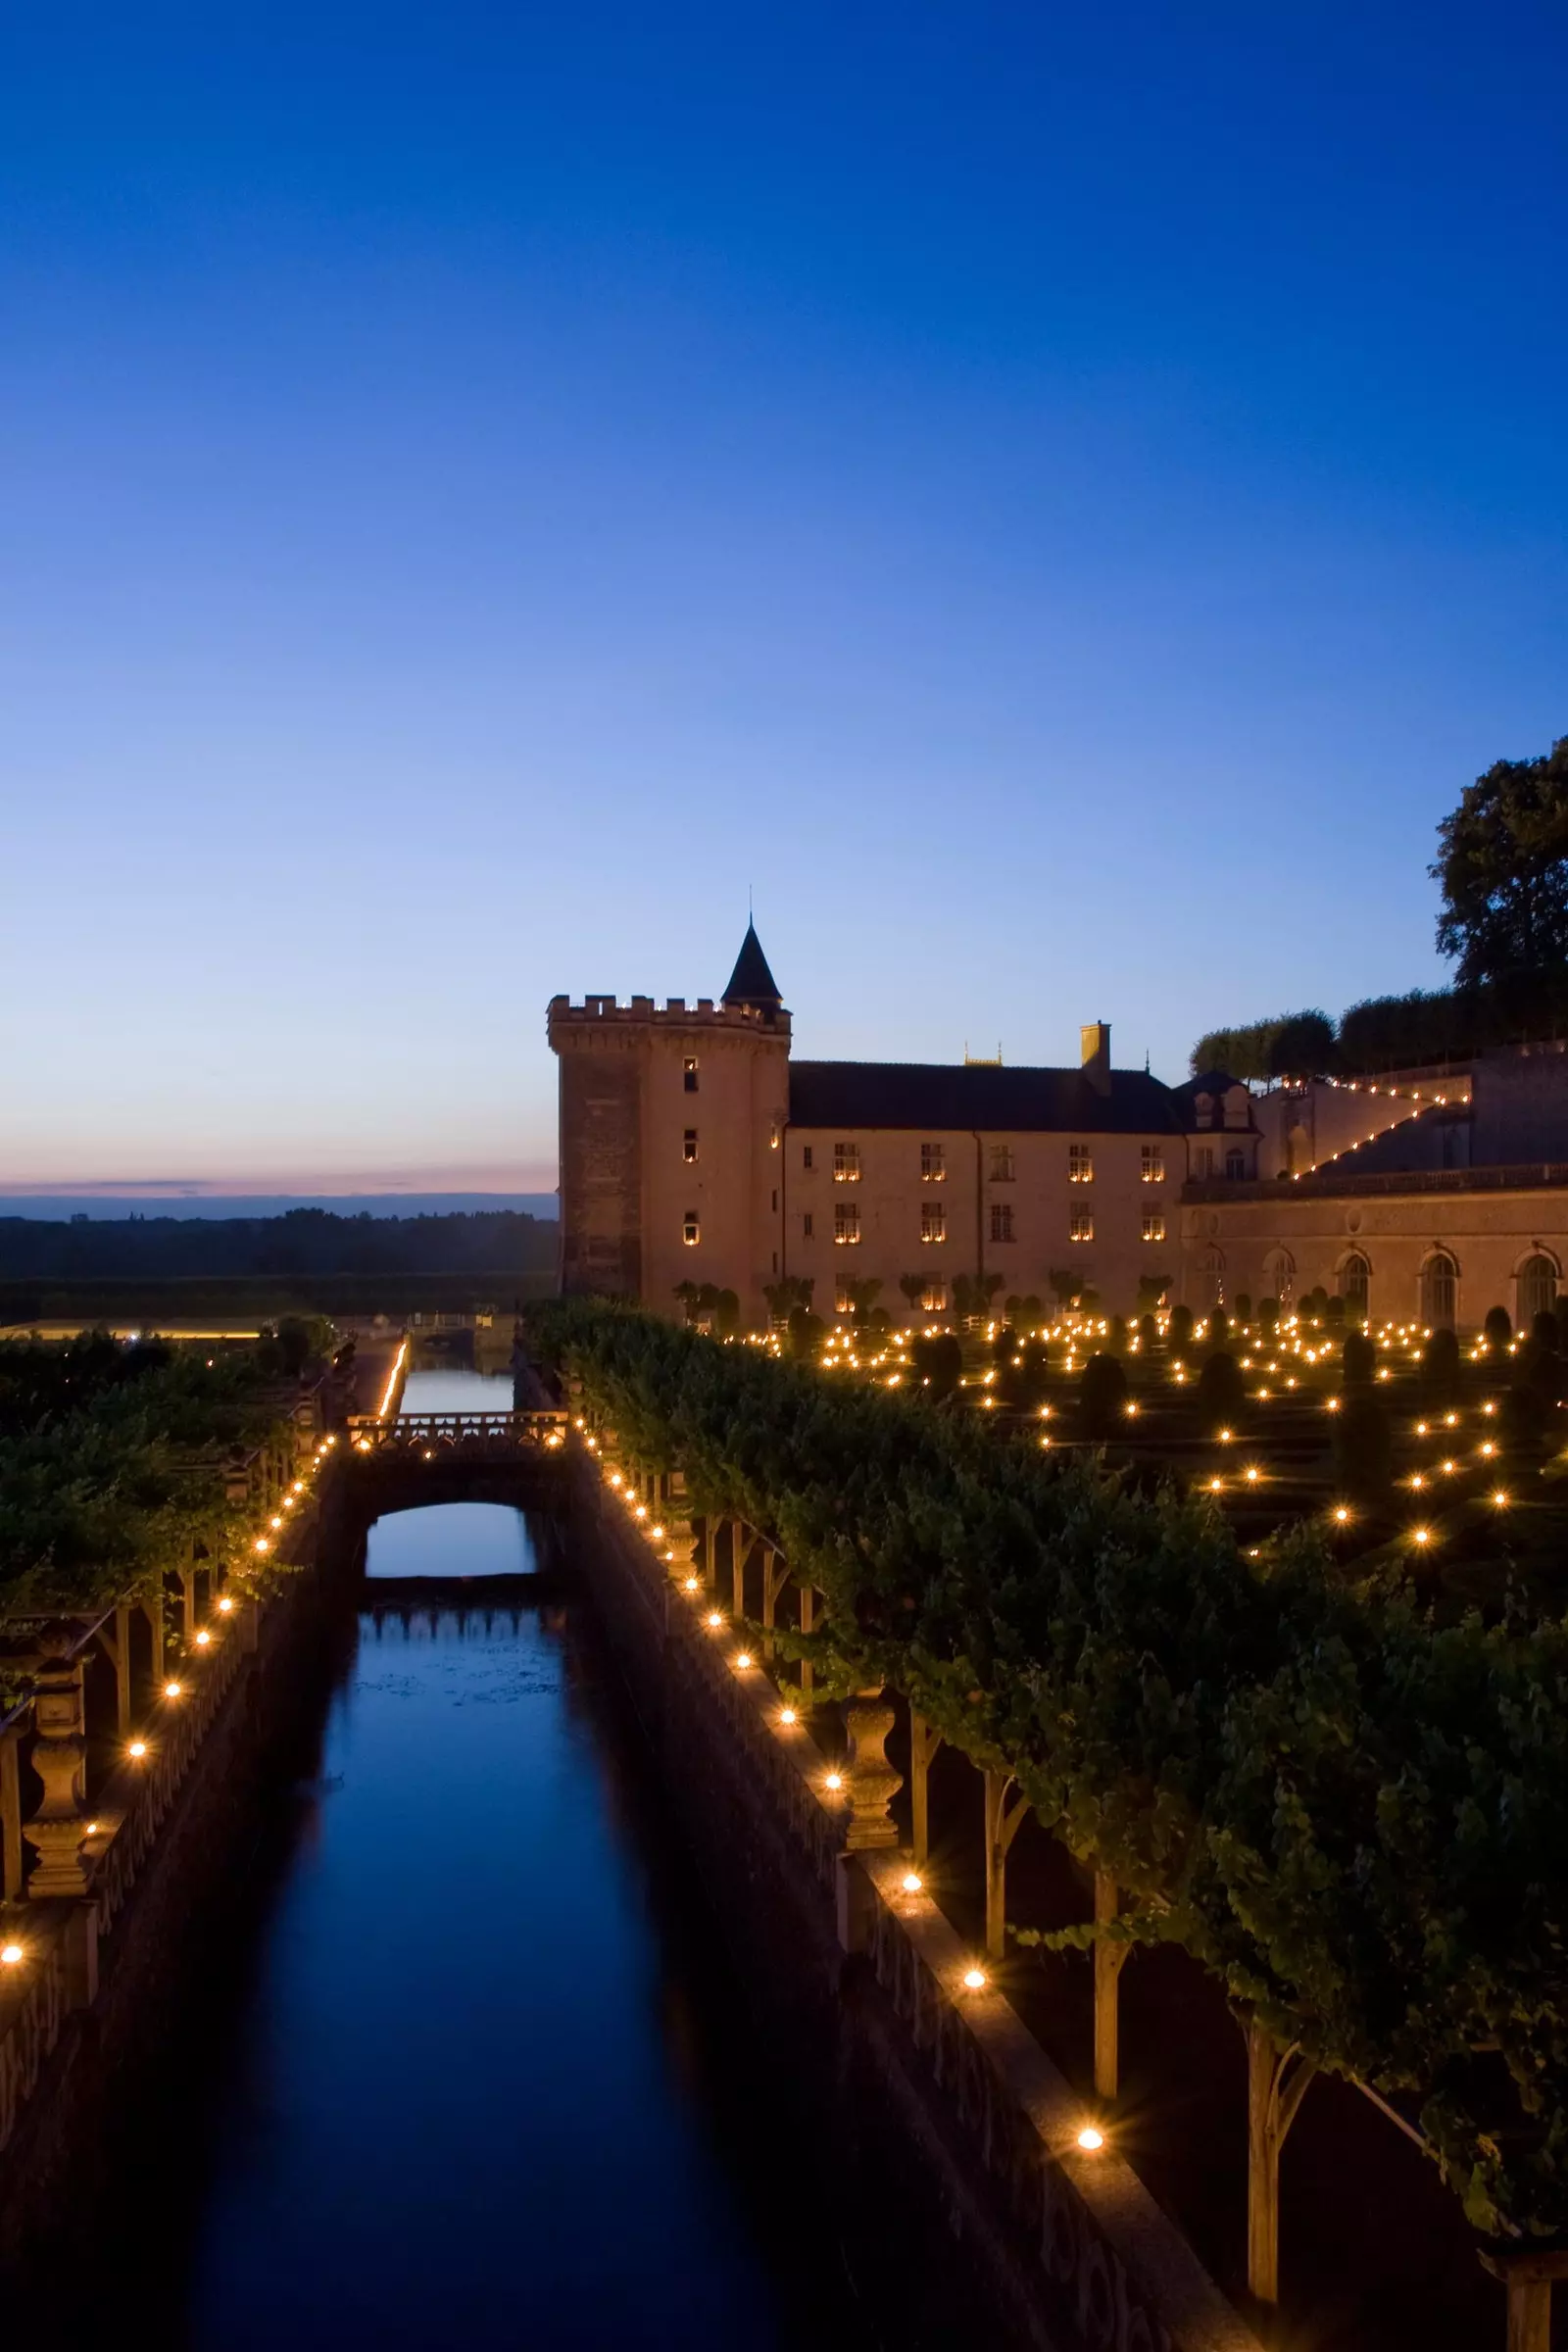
[[1503, 870]]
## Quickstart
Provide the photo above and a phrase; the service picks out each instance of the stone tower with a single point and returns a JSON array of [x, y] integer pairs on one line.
[[671, 1126]]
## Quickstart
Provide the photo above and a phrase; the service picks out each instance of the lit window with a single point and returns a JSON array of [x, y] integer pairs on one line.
[[933, 1221], [690, 1230], [933, 1164], [1080, 1164], [845, 1223], [776, 1136], [1001, 1164], [842, 1304], [1153, 1165], [1081, 1225], [805, 1156], [1001, 1220], [806, 1225], [846, 1164], [1154, 1225], [934, 1297], [689, 1074], [688, 1148]]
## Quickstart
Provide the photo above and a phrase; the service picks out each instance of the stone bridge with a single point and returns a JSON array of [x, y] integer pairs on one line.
[[402, 1463]]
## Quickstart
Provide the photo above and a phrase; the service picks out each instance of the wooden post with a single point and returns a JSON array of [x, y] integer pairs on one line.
[[1528, 2279], [740, 1543], [1276, 2085], [11, 1877], [122, 1671], [187, 1590], [709, 1550], [923, 1745], [153, 1611], [807, 1624], [776, 1576], [1109, 1962], [1003, 1824]]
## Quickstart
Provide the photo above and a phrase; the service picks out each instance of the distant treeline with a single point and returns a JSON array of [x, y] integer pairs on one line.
[[305, 1244], [1393, 1033]]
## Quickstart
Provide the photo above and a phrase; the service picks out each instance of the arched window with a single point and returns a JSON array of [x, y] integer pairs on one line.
[[1211, 1278], [1280, 1269], [1537, 1288], [1439, 1292], [1235, 1165], [1355, 1282]]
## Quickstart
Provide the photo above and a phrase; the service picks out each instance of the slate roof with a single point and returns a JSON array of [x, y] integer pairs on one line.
[[750, 982], [937, 1097]]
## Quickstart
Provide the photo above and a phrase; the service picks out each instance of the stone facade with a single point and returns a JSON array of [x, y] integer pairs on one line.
[[693, 1148]]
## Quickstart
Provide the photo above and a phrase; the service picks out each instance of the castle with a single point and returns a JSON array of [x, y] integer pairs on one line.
[[695, 1149]]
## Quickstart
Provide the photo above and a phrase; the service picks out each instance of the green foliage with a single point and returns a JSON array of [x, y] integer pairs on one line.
[[937, 1362], [1153, 1290], [1351, 1818], [1498, 1328], [1359, 1358], [807, 1332], [118, 1479], [784, 1297], [1179, 1328], [1303, 1046], [1269, 1316], [1101, 1398], [1503, 867], [1147, 1334]]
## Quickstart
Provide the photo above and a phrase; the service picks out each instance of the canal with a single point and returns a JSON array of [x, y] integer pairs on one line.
[[481, 2073]]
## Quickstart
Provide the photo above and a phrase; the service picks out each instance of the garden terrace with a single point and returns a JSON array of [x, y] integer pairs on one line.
[[1472, 1501], [1301, 1804]]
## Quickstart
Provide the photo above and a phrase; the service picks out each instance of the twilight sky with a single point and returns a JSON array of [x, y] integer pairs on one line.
[[1058, 500]]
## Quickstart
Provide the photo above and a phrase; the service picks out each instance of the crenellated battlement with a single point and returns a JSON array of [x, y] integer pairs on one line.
[[597, 1012]]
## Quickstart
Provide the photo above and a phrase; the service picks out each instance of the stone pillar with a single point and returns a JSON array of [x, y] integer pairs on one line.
[[59, 1759], [871, 1780]]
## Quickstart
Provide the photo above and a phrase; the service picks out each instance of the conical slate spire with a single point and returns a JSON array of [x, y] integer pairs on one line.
[[750, 982]]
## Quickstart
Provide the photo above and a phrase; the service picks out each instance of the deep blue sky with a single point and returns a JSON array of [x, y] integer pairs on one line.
[[1060, 501]]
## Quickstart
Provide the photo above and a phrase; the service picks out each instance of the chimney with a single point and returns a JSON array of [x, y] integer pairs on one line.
[[1094, 1042]]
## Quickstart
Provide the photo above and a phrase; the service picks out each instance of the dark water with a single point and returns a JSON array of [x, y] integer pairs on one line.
[[489, 2084]]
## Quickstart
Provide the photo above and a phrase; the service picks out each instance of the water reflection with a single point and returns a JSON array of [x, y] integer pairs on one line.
[[472, 2102]]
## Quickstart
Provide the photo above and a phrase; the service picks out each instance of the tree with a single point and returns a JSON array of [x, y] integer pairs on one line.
[[1302, 1046], [914, 1288], [938, 1365], [1503, 870]]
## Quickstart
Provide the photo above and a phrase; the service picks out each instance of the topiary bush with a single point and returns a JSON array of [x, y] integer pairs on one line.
[[1440, 1368], [1363, 1448], [1221, 1393], [1101, 1398], [1498, 1328], [1179, 1330], [1359, 1358]]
